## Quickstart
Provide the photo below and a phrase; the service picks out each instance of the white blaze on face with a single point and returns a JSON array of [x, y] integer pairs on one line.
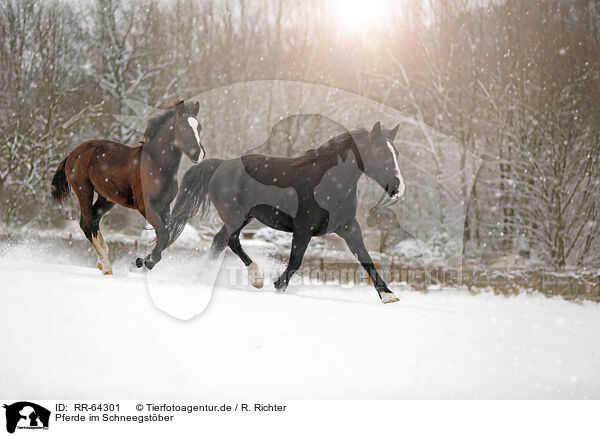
[[396, 170], [193, 122]]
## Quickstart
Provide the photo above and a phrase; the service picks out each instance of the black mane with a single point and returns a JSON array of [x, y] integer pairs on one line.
[[157, 122], [336, 146]]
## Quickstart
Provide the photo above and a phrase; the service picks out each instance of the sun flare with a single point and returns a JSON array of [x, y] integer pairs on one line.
[[362, 16]]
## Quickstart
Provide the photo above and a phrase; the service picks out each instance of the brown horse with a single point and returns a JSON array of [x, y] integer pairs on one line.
[[142, 177]]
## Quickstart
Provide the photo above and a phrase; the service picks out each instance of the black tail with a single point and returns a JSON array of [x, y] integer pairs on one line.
[[193, 195], [60, 185]]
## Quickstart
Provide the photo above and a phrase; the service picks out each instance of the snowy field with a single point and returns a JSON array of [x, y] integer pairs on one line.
[[69, 332]]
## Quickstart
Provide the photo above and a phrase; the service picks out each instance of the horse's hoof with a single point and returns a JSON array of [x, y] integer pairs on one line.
[[149, 265], [139, 262], [106, 271], [388, 297], [280, 287], [255, 276]]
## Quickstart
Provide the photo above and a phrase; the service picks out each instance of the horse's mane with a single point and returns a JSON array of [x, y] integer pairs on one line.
[[157, 121], [338, 145]]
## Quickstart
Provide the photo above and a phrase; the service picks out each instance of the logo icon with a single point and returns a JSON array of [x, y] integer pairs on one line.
[[26, 415]]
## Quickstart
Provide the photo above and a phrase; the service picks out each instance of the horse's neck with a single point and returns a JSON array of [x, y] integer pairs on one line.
[[164, 153]]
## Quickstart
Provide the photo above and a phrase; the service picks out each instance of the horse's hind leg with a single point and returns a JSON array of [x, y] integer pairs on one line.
[[99, 209], [254, 274], [300, 242], [84, 191], [219, 242]]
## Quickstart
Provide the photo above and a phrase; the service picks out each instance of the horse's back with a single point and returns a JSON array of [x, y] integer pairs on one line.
[[261, 186], [271, 170], [266, 170], [94, 151]]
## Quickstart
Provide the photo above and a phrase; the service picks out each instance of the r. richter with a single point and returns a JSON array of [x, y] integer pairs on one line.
[[269, 408]]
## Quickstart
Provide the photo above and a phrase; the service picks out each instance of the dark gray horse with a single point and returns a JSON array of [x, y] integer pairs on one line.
[[310, 195]]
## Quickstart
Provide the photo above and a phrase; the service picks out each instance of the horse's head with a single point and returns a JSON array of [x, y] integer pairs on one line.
[[186, 130], [381, 160]]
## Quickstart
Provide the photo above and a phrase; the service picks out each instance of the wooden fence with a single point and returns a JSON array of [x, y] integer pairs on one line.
[[580, 286]]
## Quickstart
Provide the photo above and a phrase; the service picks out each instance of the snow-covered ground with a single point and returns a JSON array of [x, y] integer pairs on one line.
[[68, 332]]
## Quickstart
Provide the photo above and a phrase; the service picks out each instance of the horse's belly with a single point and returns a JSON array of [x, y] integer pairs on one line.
[[273, 217], [115, 192]]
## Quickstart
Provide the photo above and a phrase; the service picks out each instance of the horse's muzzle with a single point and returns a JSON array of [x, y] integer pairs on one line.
[[197, 156], [396, 190]]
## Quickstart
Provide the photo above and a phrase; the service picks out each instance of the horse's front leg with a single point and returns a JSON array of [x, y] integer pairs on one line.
[[354, 239], [300, 242], [158, 220]]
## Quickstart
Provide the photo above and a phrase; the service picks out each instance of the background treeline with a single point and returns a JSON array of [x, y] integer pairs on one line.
[[516, 82]]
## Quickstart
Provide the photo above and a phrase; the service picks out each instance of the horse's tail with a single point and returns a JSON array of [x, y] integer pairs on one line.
[[193, 195], [60, 185]]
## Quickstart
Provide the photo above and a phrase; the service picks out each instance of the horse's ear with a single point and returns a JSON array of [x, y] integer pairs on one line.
[[180, 106], [195, 108], [394, 131], [377, 129]]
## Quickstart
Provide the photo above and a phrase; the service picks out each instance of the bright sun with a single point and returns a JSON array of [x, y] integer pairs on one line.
[[362, 16]]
